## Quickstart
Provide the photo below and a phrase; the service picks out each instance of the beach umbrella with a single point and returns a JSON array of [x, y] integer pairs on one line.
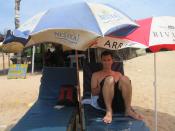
[[156, 33], [14, 43], [75, 25]]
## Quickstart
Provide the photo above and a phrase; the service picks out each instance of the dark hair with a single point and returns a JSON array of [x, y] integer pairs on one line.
[[106, 52]]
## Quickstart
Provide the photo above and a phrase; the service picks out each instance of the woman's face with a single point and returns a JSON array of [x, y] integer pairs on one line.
[[107, 61]]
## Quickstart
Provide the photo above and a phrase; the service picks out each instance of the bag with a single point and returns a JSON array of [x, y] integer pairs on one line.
[[67, 95]]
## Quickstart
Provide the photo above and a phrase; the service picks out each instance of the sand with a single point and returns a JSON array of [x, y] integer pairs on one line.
[[17, 95], [141, 72]]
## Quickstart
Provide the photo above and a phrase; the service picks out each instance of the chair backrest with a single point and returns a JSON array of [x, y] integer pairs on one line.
[[53, 78], [89, 69]]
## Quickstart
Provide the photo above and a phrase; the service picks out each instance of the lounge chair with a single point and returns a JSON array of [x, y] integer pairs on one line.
[[92, 118], [43, 116]]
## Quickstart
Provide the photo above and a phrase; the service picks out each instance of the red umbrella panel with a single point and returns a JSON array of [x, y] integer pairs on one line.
[[156, 33]]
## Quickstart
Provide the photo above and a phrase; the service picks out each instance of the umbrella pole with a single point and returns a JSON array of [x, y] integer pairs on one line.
[[89, 55], [155, 92], [8, 60], [33, 59], [3, 62], [79, 90], [77, 66]]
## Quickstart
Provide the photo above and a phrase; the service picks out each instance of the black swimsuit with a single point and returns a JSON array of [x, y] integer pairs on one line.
[[118, 105]]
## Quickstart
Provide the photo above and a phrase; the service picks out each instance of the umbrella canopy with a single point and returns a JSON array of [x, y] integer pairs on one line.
[[75, 25], [156, 33]]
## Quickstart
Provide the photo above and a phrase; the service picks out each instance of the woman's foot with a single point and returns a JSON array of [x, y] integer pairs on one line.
[[133, 114], [108, 117]]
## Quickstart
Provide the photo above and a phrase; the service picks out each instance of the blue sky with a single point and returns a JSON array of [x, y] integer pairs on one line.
[[136, 9]]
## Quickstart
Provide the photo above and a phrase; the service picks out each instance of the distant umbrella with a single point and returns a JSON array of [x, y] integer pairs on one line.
[[14, 43]]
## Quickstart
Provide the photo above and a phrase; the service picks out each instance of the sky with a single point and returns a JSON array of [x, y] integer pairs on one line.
[[136, 9]]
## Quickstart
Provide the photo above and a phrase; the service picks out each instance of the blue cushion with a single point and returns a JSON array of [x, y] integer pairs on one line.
[[42, 116], [94, 122]]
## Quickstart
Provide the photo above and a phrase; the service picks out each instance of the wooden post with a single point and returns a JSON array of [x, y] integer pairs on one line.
[[3, 62], [33, 59], [8, 60], [43, 52]]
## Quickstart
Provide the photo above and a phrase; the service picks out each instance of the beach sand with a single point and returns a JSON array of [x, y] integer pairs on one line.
[[17, 95]]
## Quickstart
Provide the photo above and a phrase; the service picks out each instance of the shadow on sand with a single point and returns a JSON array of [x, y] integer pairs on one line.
[[166, 122]]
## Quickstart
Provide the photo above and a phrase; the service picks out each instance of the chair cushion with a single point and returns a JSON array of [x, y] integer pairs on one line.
[[94, 122], [44, 117]]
